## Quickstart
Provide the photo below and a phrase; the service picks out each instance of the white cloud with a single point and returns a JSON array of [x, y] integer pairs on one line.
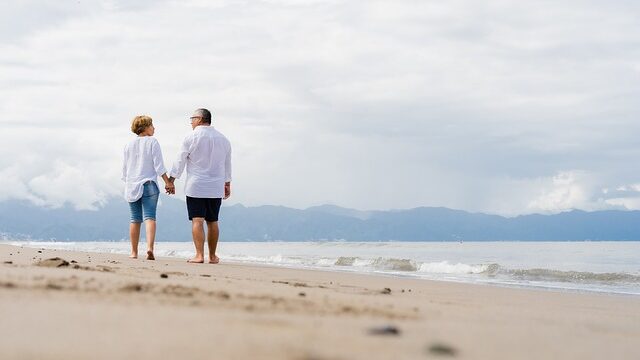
[[480, 106], [566, 190]]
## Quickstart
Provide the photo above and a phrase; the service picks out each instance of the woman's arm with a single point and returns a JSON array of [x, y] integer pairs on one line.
[[124, 165]]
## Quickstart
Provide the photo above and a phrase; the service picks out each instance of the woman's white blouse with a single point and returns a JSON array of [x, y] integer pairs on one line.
[[142, 162]]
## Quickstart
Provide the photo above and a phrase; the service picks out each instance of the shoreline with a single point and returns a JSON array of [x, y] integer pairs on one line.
[[544, 285], [169, 308]]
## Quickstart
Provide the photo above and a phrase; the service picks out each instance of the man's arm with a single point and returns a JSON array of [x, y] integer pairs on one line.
[[227, 172], [181, 160], [227, 190]]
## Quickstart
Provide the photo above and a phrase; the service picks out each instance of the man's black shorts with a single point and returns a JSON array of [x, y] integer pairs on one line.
[[203, 208]]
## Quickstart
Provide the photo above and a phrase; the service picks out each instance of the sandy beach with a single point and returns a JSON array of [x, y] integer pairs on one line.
[[104, 306]]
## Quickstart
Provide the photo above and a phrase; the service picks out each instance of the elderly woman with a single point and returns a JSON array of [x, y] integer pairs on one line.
[[142, 165]]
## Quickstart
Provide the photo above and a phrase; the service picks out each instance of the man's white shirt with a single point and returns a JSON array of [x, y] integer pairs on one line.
[[206, 155], [142, 162]]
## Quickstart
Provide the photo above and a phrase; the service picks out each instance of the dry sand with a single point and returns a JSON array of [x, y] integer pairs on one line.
[[103, 306]]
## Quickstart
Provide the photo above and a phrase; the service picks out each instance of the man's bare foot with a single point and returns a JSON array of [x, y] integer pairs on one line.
[[133, 256], [150, 255], [196, 260], [214, 260]]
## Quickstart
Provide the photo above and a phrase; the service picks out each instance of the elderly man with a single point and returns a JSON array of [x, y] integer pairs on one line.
[[206, 154]]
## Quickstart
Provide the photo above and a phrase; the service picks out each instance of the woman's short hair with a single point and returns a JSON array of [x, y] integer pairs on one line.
[[140, 123]]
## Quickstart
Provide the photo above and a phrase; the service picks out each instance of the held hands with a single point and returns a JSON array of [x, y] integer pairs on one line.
[[170, 187]]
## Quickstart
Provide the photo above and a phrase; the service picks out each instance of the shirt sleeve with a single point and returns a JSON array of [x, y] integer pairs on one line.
[[227, 166], [181, 161], [158, 162], [124, 165]]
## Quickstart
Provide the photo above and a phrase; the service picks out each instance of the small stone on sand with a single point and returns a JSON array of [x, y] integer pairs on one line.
[[53, 262], [441, 349], [386, 291], [302, 294], [164, 276], [385, 330], [8, 262]]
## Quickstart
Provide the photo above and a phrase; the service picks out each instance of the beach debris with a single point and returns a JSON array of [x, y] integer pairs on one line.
[[294, 284], [205, 275], [180, 291], [73, 262], [302, 294], [164, 276], [221, 295], [54, 286], [7, 284], [104, 268], [441, 349], [8, 262], [386, 291], [132, 288], [40, 251], [53, 262], [348, 309], [388, 330]]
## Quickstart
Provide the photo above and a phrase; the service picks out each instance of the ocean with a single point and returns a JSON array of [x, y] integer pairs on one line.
[[599, 266]]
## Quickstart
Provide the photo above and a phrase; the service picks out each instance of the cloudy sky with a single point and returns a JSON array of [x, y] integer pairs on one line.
[[506, 107]]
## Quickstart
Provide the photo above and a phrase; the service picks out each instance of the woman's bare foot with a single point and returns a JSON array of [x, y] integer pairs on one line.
[[214, 260], [196, 260], [150, 255], [133, 256]]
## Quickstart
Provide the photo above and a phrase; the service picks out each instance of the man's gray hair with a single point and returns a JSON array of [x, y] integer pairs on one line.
[[206, 115]]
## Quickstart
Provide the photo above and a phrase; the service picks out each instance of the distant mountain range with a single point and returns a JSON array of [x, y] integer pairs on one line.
[[22, 220]]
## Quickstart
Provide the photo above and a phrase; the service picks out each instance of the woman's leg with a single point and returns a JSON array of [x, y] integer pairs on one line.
[[150, 226], [134, 227], [134, 235], [149, 205]]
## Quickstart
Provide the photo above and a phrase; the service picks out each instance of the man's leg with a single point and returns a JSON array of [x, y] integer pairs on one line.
[[134, 235], [197, 230], [213, 233]]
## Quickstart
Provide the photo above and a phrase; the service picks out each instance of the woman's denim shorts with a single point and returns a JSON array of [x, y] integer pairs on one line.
[[145, 207]]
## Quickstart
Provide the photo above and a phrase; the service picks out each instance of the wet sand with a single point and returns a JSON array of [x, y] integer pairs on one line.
[[104, 306]]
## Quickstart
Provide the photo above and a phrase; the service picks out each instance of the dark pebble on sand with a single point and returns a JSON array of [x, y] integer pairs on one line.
[[53, 262], [302, 294], [73, 262], [385, 330], [40, 251], [164, 276], [441, 349], [386, 291], [8, 262]]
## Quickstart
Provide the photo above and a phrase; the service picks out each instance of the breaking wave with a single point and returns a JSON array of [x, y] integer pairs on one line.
[[334, 256]]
